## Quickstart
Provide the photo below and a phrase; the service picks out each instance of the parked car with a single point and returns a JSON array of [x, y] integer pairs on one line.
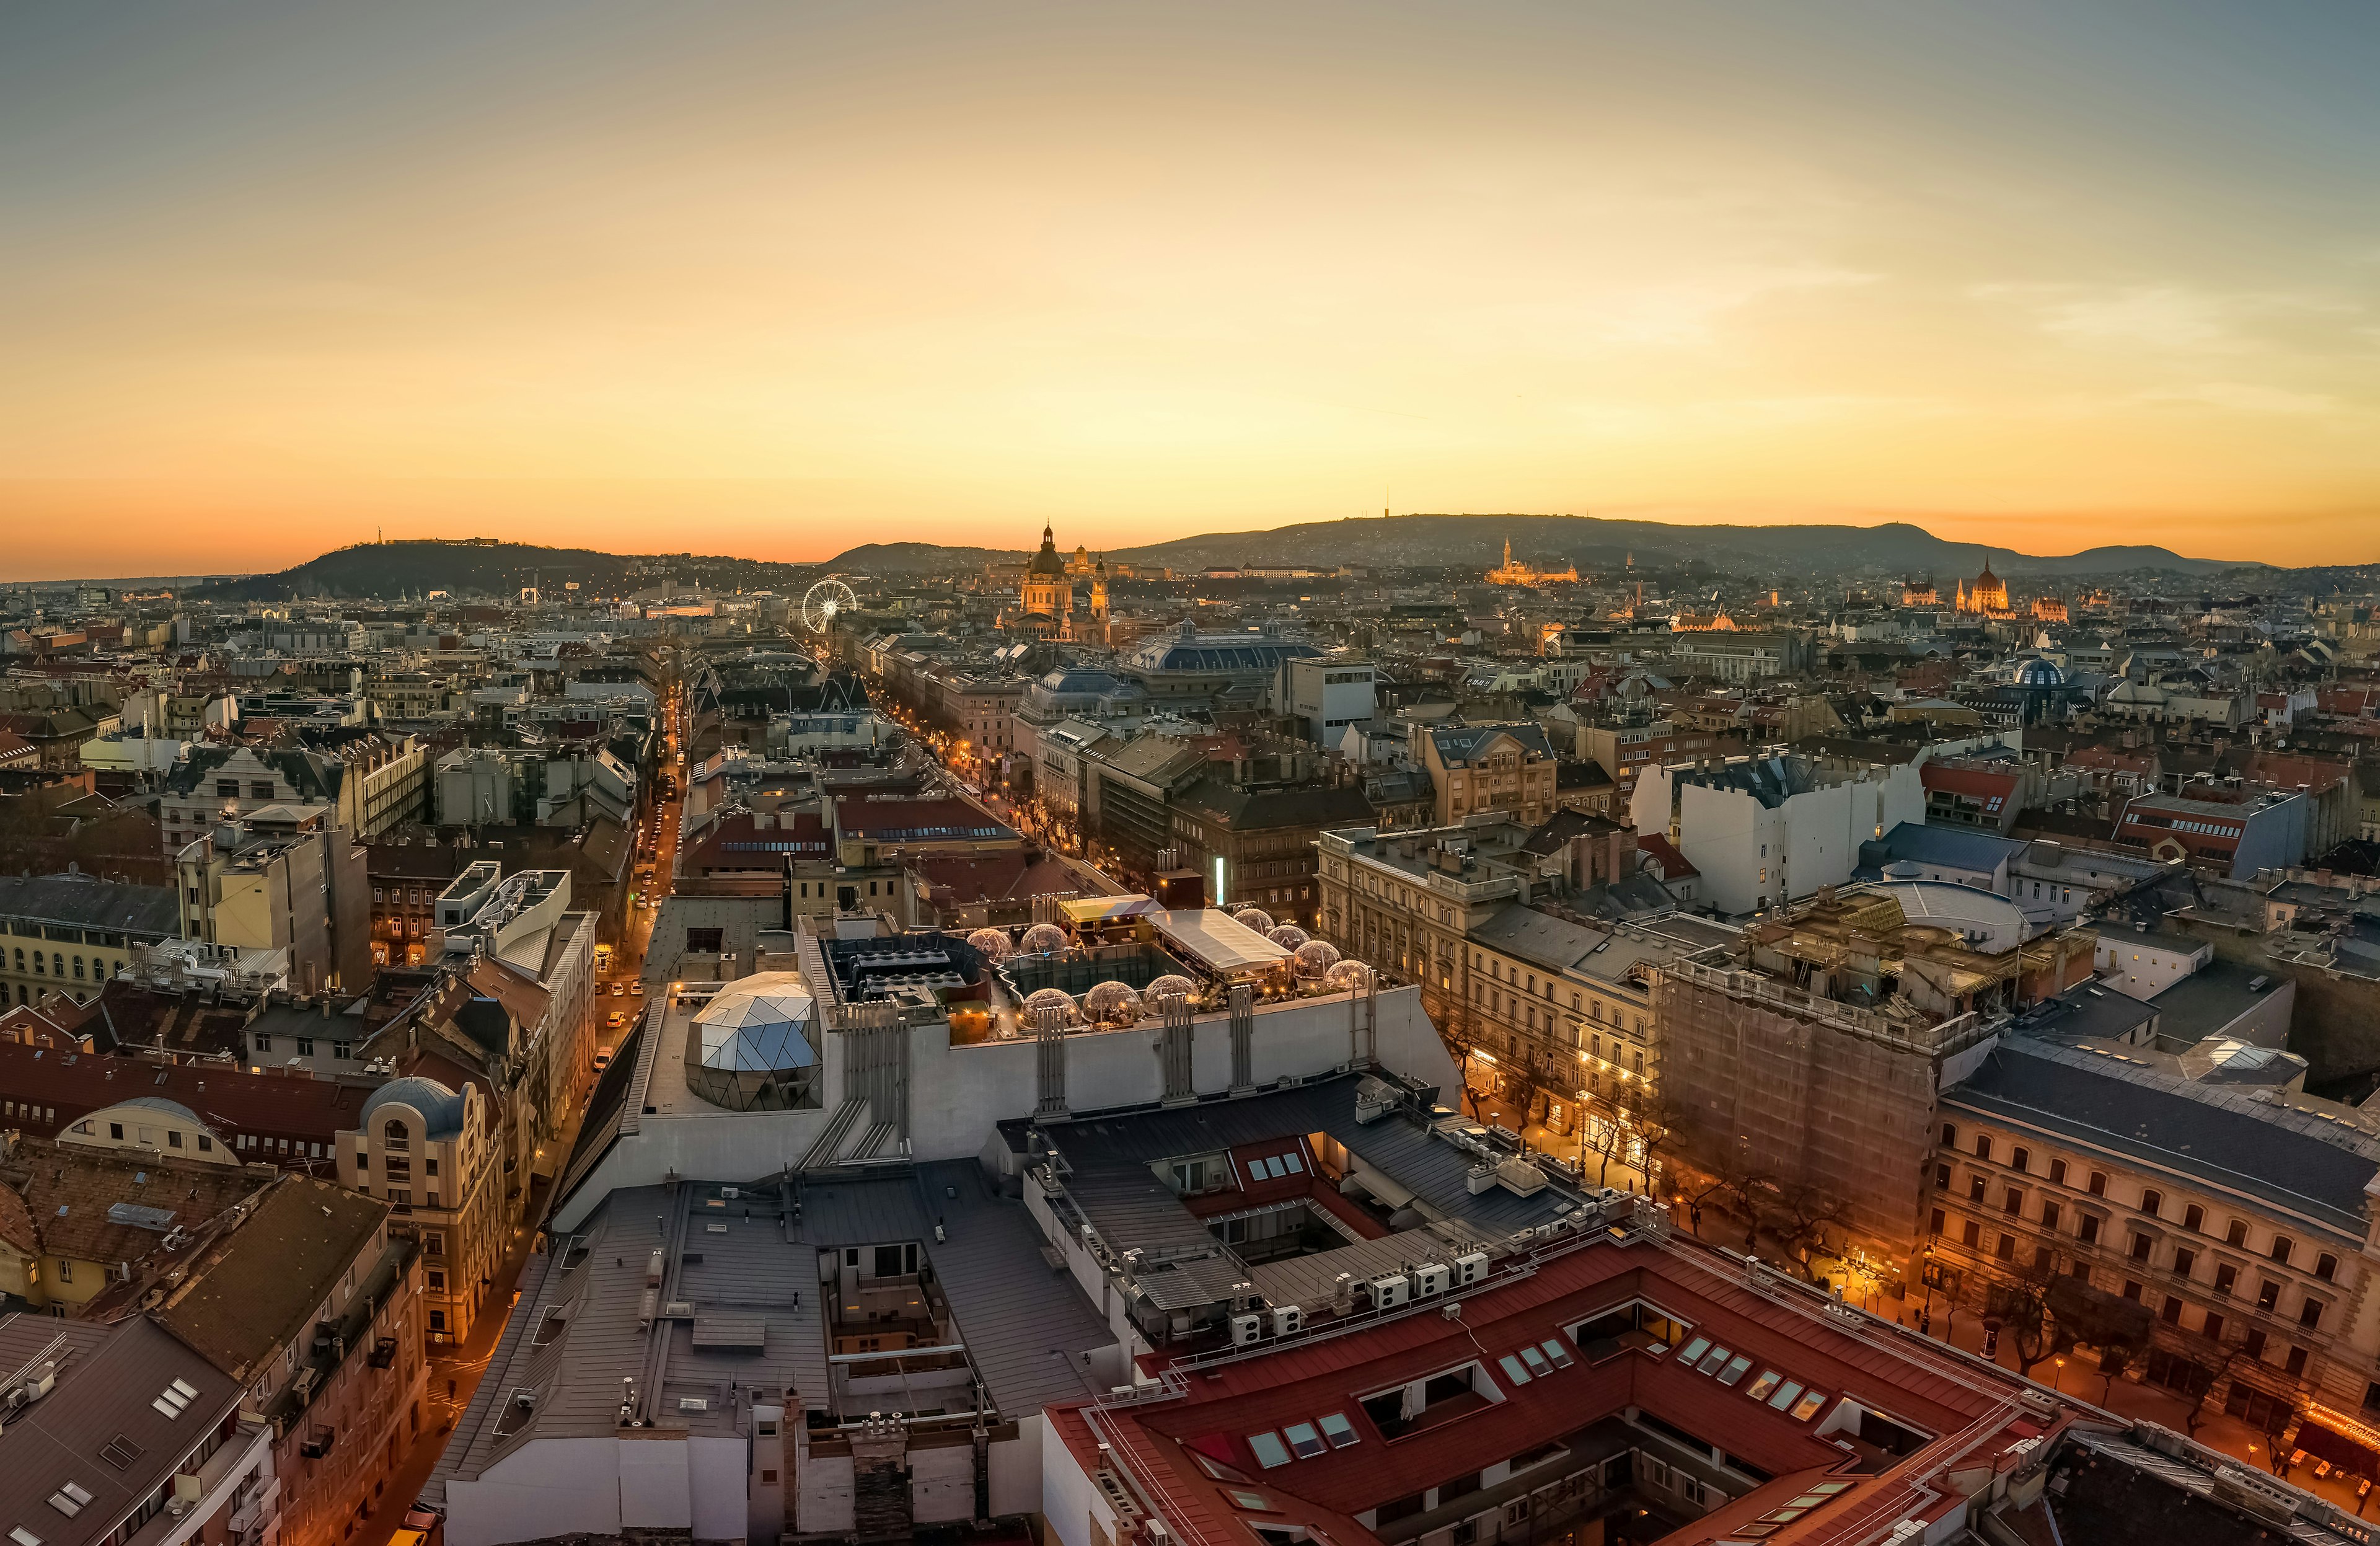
[[602, 1058], [637, 988], [615, 1021]]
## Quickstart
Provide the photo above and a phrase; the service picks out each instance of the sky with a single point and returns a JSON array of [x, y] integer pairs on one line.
[[778, 279]]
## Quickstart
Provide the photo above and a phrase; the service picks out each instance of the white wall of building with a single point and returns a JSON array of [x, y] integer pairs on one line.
[[957, 1095], [1752, 854], [2146, 965]]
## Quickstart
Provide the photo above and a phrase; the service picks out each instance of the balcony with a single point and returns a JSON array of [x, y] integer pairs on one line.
[[383, 1352], [257, 1508], [319, 1442]]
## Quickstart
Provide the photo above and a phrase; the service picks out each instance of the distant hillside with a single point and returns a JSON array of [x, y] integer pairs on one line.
[[386, 570], [1592, 543], [914, 558]]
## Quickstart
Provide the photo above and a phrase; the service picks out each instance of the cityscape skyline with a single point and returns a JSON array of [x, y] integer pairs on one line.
[[2019, 275]]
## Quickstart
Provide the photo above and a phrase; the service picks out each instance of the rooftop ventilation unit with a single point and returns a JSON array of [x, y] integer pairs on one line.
[[1390, 1291], [1246, 1330], [1288, 1319], [1470, 1268]]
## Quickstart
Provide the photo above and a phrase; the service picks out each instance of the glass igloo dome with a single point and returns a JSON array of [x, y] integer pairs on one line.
[[749, 1048]]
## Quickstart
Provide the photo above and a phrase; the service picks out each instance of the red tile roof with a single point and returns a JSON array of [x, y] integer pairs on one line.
[[1225, 1401], [1674, 865], [1978, 783], [65, 1086]]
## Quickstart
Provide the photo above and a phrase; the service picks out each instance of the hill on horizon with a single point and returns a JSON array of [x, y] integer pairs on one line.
[[481, 567], [1592, 542]]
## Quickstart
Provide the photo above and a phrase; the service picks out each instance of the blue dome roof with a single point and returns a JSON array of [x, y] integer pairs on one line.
[[2039, 673], [440, 1106]]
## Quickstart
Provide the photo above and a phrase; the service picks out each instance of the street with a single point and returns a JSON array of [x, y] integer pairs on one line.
[[455, 1371]]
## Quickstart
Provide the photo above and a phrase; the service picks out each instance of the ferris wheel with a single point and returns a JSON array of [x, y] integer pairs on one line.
[[821, 601]]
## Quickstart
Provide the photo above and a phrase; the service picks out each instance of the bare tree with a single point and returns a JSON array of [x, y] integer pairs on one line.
[[1799, 1215], [2022, 1305]]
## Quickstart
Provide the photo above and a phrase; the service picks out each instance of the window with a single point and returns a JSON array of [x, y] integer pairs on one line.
[[2005, 1250], [1304, 1440], [2020, 1158], [115, 1131], [2310, 1315], [2183, 1261], [2226, 1277], [437, 1320], [2213, 1330], [2098, 1183], [1938, 1221], [2325, 1266], [2295, 1363], [2087, 1230], [2171, 1312], [1942, 1177], [2281, 1249], [2194, 1218], [2237, 1233], [2012, 1201], [1949, 1135], [1338, 1430], [2139, 1247], [1982, 1145], [2151, 1201], [2049, 1212], [2057, 1171], [2268, 1294], [2254, 1342], [1971, 1234]]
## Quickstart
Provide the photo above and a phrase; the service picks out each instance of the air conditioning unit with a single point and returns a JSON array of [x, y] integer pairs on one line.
[[1431, 1280], [1246, 1330], [1470, 1268], [1287, 1320], [1390, 1291]]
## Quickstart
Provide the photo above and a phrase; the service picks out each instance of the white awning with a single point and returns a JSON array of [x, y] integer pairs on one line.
[[1217, 942]]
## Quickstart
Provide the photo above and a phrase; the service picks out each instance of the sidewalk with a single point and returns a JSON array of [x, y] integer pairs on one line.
[[459, 1370], [1538, 1138]]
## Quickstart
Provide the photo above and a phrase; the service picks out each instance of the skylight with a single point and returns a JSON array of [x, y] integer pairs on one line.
[[1305, 1441], [1338, 1430], [1269, 1450], [1512, 1369]]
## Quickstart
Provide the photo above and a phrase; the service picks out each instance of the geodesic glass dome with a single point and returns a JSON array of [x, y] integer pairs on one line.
[[1252, 918], [989, 943], [1313, 958], [1112, 1004], [749, 1048], [1029, 1022], [1166, 987], [1289, 936], [1042, 938], [1348, 975]]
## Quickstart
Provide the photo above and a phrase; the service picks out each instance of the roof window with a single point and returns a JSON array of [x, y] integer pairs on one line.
[[1338, 1430], [1269, 1450], [1304, 1441]]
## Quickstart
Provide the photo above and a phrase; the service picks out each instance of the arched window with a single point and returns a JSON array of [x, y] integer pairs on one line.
[[394, 1132], [57, 963], [78, 969]]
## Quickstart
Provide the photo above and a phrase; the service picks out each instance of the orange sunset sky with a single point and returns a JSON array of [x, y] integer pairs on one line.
[[779, 279]]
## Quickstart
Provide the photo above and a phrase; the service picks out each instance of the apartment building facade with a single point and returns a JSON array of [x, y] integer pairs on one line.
[[2230, 1239]]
